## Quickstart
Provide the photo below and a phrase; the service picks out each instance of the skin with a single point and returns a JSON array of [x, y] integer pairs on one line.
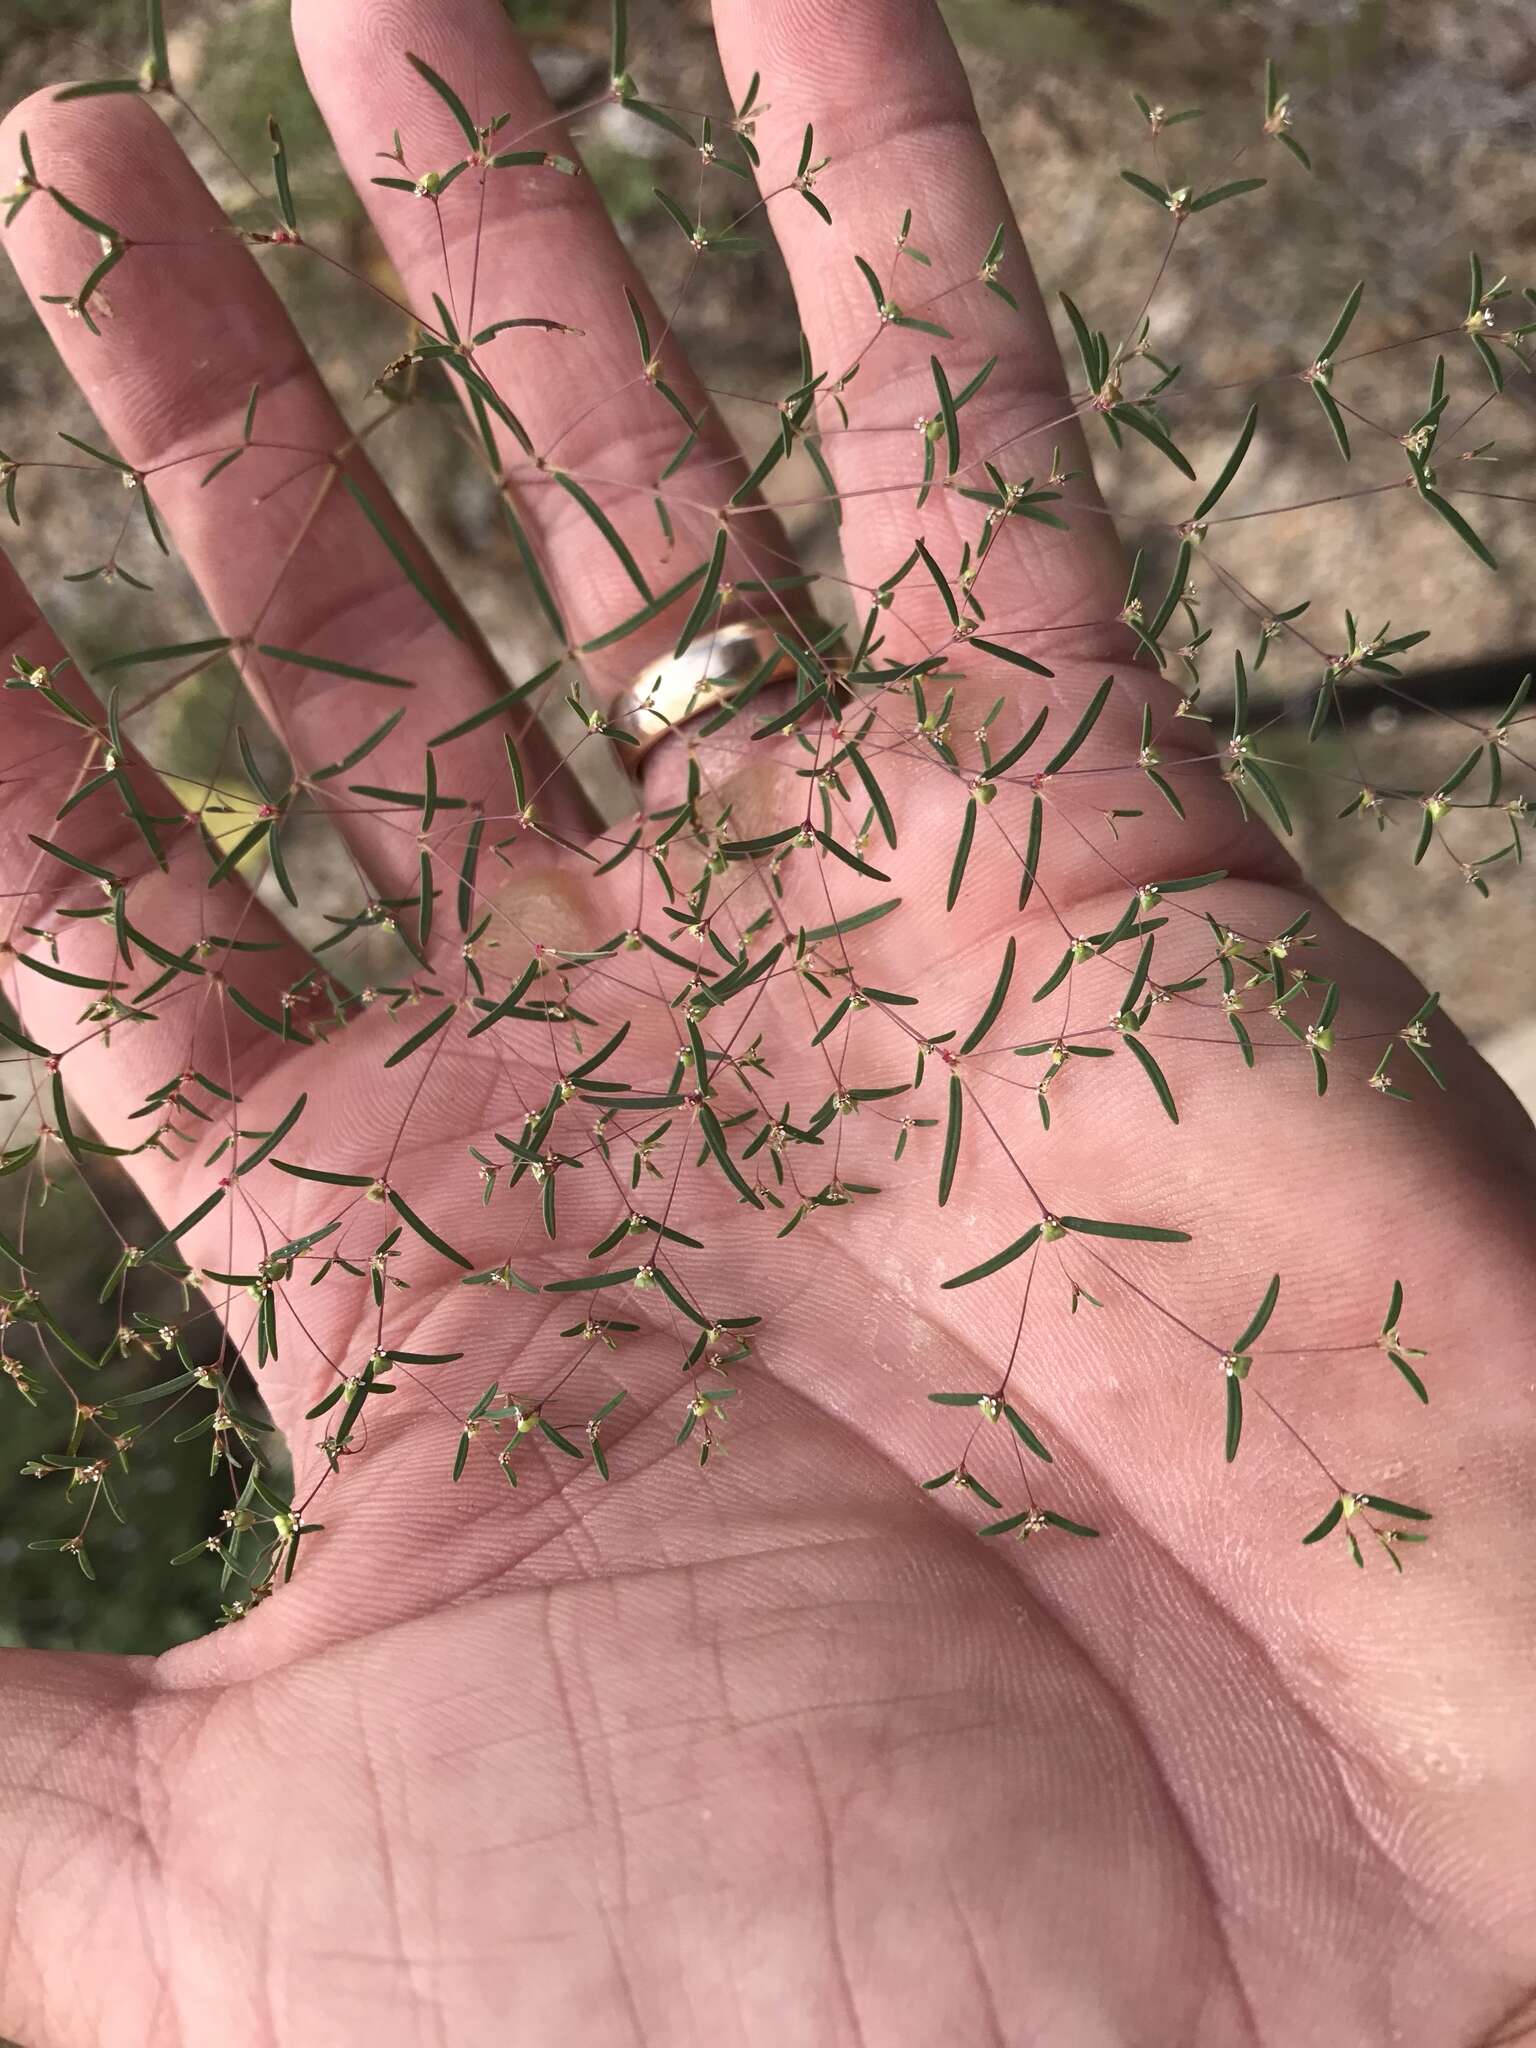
[[780, 1752]]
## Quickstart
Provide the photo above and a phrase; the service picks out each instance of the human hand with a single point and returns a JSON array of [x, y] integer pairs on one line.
[[778, 1751]]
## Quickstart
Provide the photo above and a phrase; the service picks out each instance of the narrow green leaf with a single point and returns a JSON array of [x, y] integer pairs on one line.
[[962, 854], [361, 750], [996, 1000], [407, 567], [1010, 655], [280, 178], [947, 409], [605, 527], [13, 1036], [185, 650], [1334, 417], [274, 1137], [1233, 464], [714, 1137], [1087, 347], [159, 68], [1154, 1074], [338, 1180], [449, 98], [1026, 1435], [1070, 1528], [94, 88], [998, 1260], [1081, 730], [1459, 527], [425, 1232], [419, 1038], [179, 1230], [851, 923], [704, 603], [662, 601], [585, 1282], [1031, 864], [1223, 192], [332, 667], [955, 1117], [1409, 1375], [1325, 1527], [851, 860], [1142, 423], [1394, 1308], [875, 794], [940, 583], [1261, 1316], [1266, 782], [1341, 326], [1145, 1233]]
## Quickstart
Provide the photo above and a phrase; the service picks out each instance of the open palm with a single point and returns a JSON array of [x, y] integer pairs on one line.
[[777, 1751]]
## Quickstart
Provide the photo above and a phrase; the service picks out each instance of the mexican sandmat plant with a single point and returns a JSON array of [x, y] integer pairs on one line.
[[941, 914], [931, 1066]]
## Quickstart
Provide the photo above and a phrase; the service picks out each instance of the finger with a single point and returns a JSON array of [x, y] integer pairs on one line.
[[55, 916], [881, 86], [529, 243], [283, 551]]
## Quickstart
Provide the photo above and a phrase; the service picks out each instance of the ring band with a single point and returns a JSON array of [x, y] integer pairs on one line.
[[717, 669]]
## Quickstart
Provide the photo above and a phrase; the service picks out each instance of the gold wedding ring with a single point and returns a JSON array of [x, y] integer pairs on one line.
[[714, 671]]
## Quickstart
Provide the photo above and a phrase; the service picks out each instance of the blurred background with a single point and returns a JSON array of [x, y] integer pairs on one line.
[[1420, 118]]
